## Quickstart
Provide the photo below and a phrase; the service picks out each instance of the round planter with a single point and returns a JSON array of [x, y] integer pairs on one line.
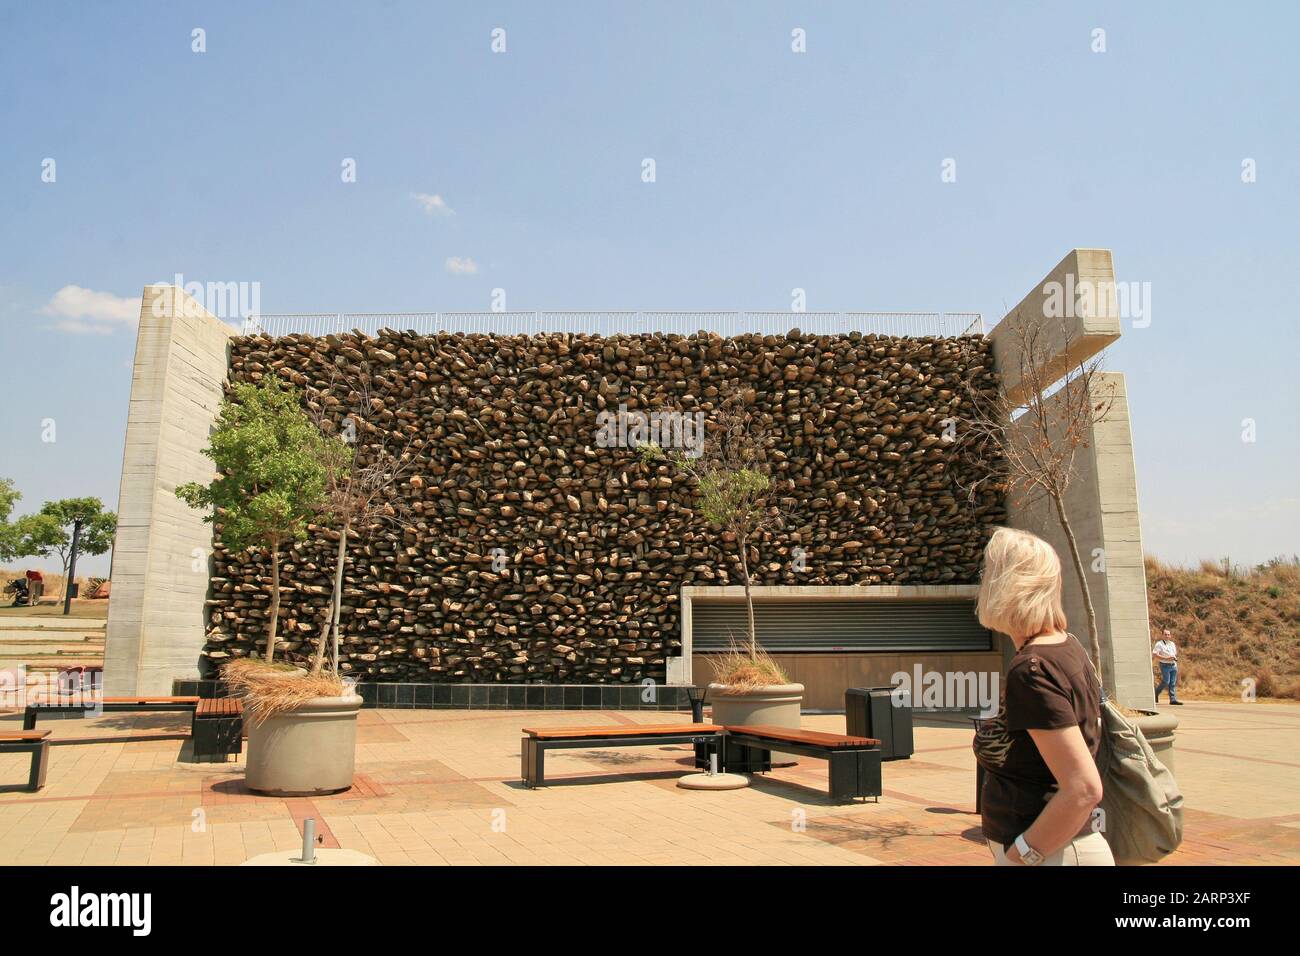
[[777, 705], [306, 752], [1159, 729]]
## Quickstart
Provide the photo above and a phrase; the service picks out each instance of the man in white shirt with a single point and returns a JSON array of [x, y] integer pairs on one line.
[[1166, 654]]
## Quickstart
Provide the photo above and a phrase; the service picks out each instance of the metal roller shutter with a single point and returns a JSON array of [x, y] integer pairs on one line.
[[842, 626]]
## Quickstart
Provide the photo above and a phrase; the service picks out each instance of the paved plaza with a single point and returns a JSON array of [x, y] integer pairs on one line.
[[441, 787]]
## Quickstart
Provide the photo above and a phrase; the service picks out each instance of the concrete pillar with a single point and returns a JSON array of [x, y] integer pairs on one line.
[[156, 616], [1102, 496]]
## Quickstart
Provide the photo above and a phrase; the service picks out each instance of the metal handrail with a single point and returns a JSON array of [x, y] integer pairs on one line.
[[725, 323]]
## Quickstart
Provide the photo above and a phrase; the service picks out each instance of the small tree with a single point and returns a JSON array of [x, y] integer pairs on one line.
[[48, 532], [735, 486], [361, 485], [51, 530], [1028, 444], [271, 464], [11, 533]]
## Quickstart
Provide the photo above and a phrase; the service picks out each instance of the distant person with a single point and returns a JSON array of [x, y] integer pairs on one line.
[[1166, 654], [1039, 753], [35, 586]]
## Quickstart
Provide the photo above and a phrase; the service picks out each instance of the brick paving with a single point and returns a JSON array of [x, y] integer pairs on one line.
[[441, 787]]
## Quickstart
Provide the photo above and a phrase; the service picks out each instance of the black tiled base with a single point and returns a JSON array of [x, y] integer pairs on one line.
[[494, 696]]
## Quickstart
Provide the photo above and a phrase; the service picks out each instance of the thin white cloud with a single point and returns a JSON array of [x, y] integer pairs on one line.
[[433, 204], [87, 312], [461, 266]]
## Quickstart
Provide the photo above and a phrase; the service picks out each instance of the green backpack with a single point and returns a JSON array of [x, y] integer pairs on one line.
[[1141, 805]]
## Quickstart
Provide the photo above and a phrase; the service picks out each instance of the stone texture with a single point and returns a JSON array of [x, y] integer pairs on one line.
[[594, 546]]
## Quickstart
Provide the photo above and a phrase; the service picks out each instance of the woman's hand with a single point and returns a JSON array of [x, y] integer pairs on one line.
[[1078, 789], [1013, 855]]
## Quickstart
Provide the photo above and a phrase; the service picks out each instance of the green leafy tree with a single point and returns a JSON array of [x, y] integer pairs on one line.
[[9, 496], [271, 461], [49, 531]]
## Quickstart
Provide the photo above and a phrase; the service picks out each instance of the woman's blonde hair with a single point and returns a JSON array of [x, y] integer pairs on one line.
[[1020, 588]]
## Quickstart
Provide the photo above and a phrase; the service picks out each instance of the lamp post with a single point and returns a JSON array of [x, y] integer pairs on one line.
[[72, 563]]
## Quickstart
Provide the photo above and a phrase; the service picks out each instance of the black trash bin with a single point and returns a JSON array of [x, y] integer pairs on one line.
[[871, 712]]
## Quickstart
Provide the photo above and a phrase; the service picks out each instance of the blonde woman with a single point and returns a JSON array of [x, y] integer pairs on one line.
[[1040, 776]]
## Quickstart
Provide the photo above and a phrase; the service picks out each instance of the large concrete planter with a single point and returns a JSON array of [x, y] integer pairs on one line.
[[306, 752], [1159, 729], [777, 705]]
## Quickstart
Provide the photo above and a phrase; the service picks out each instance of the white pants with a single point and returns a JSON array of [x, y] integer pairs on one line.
[[1090, 850]]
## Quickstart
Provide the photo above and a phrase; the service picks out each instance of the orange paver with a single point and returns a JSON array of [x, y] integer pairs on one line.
[[442, 787]]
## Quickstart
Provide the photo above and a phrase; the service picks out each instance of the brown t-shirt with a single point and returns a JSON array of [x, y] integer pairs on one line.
[[1048, 686]]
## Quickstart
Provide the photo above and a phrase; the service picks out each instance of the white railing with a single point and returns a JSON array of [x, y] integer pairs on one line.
[[943, 324]]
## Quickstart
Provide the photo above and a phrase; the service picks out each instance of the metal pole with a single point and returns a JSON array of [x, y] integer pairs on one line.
[[308, 841], [72, 565]]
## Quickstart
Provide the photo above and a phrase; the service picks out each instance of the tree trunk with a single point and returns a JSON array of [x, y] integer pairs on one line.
[[275, 602], [749, 601], [338, 596], [318, 659], [332, 616], [1093, 633]]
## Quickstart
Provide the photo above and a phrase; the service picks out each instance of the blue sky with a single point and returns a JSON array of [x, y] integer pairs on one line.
[[774, 171]]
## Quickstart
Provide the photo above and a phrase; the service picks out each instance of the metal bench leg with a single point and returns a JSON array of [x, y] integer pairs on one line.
[[534, 760], [869, 773], [40, 760], [843, 783], [29, 718]]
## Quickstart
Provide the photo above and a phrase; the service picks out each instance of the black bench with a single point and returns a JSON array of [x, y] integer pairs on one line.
[[854, 762], [89, 705], [541, 739], [34, 742], [218, 727]]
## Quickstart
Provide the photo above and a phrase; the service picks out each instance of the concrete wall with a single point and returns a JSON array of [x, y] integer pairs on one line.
[[1102, 497], [156, 616]]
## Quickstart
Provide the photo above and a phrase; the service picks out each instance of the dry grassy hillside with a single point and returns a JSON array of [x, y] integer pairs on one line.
[[1230, 625]]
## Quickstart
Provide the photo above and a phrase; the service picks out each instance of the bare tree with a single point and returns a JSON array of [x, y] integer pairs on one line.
[[1030, 439], [734, 479], [361, 490]]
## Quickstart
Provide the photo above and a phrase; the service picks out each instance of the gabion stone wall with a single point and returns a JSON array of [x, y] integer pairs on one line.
[[539, 549]]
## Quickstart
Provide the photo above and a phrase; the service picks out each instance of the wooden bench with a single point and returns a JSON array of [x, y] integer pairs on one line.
[[854, 762], [217, 728], [96, 705], [538, 740], [34, 742]]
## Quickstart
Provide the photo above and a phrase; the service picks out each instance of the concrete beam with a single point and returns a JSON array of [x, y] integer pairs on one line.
[[1076, 308], [156, 618]]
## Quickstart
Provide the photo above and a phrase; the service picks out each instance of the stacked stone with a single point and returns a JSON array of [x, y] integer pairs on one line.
[[532, 553]]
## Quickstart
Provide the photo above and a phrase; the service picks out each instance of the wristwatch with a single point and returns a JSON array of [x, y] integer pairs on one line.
[[1028, 855]]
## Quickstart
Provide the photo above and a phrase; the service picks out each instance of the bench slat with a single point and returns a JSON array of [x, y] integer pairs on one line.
[[621, 730], [15, 736], [815, 738], [220, 707]]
